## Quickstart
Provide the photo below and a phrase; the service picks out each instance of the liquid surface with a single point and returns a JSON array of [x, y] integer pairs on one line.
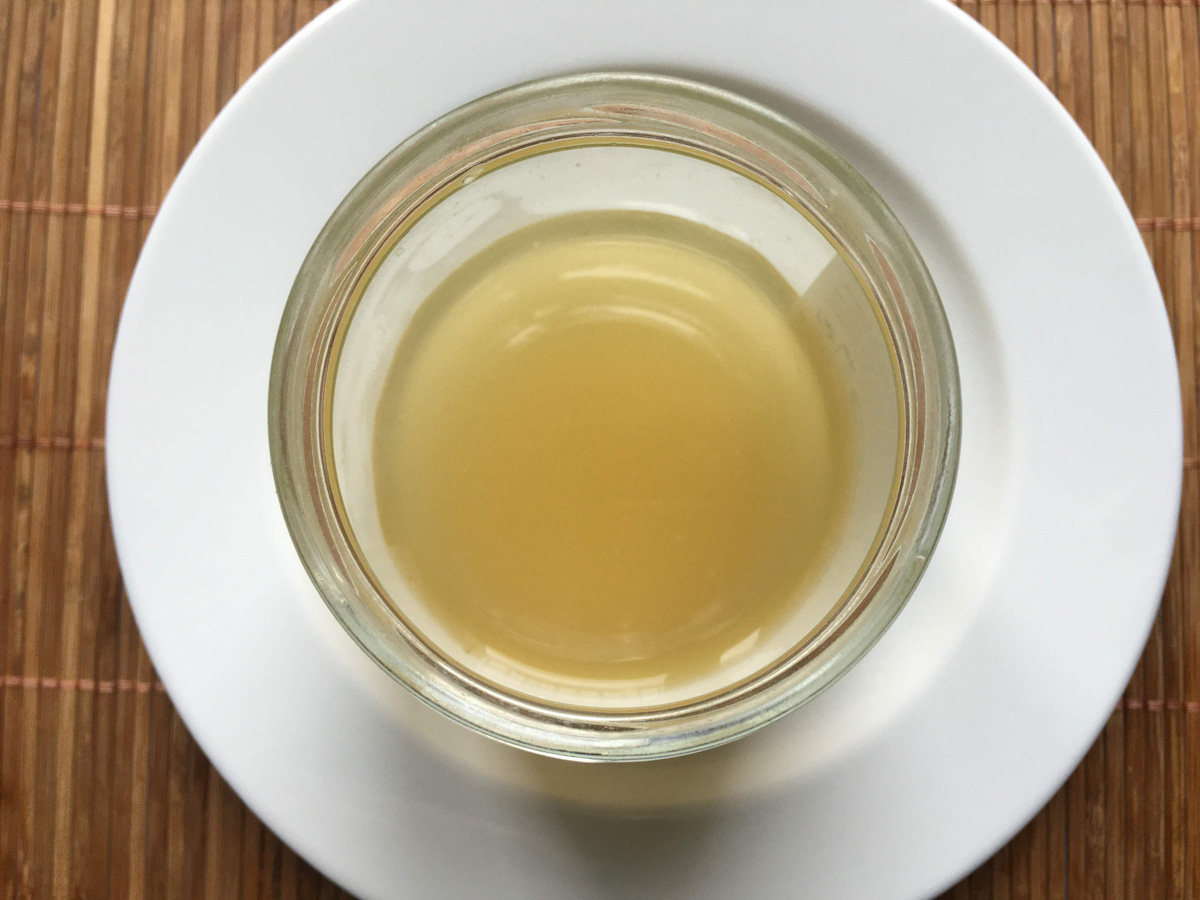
[[610, 448]]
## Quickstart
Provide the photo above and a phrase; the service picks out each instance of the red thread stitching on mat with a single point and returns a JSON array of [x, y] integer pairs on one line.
[[1157, 223], [1079, 2], [1159, 705], [1163, 223], [124, 685], [25, 442], [120, 685], [111, 210]]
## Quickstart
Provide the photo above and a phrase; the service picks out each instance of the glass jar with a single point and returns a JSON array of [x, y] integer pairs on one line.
[[614, 141]]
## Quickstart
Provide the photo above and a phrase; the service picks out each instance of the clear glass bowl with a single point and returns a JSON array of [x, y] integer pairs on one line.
[[624, 141]]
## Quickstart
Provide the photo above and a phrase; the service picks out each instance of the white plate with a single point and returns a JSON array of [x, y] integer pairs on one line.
[[954, 729]]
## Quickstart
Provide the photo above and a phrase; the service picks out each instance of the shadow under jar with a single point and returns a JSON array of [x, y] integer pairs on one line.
[[611, 163]]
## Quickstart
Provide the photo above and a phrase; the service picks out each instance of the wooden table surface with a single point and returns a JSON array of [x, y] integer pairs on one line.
[[103, 794]]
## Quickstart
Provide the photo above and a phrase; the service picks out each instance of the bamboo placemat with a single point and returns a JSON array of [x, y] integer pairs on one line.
[[102, 791]]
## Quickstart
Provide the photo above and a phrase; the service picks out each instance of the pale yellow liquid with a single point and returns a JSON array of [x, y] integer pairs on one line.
[[612, 447]]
